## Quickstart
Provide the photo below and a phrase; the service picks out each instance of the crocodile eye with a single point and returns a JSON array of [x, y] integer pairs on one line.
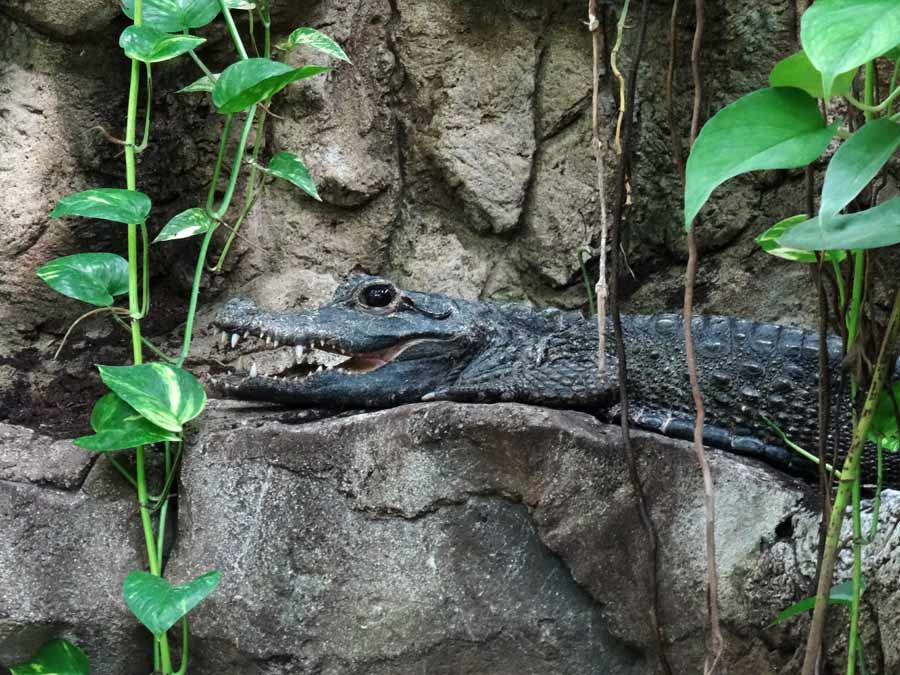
[[378, 295]]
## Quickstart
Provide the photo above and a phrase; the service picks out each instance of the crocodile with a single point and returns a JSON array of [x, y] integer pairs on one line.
[[375, 345]]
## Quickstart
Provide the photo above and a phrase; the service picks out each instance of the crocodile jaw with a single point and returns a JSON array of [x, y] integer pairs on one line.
[[298, 361]]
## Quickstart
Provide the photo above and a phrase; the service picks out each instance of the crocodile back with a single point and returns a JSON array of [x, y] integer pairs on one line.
[[749, 372]]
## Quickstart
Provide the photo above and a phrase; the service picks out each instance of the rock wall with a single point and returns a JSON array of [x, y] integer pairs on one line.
[[432, 538], [453, 155]]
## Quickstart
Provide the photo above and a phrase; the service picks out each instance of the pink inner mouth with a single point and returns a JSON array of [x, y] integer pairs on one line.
[[368, 362]]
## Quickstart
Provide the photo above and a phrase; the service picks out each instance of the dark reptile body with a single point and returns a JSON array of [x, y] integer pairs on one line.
[[485, 352]]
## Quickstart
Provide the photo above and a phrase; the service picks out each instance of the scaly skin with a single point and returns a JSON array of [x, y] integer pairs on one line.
[[459, 350]]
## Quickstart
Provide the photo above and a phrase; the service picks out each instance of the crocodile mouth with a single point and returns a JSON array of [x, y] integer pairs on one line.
[[261, 356]]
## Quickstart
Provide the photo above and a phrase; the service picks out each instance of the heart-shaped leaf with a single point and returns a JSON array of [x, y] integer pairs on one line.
[[313, 38], [95, 278], [883, 427], [165, 395], [174, 16], [288, 166], [797, 71], [777, 128], [841, 35], [872, 228], [856, 163], [842, 594], [768, 242], [253, 80], [205, 83], [117, 205], [158, 604], [150, 45], [186, 224], [118, 426], [57, 657]]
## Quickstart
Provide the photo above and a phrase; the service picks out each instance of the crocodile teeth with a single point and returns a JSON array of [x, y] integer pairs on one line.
[[275, 344], [320, 369], [234, 340], [253, 370], [246, 334], [298, 352], [268, 340], [223, 338]]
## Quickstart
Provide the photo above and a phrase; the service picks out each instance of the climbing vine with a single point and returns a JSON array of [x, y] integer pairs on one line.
[[150, 404], [786, 126]]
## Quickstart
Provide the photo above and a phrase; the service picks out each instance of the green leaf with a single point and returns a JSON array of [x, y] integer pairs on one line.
[[797, 71], [117, 205], [240, 4], [842, 594], [884, 422], [204, 83], [158, 604], [288, 166], [57, 657], [165, 395], [186, 224], [253, 80], [173, 16], [95, 278], [118, 426], [841, 35], [856, 163], [778, 128], [152, 46], [872, 228], [313, 38], [768, 241]]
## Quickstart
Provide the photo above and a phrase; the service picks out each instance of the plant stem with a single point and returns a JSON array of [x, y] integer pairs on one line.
[[857, 577], [236, 165], [866, 108], [858, 277], [587, 281], [856, 297], [198, 60], [145, 274], [195, 292], [122, 470], [869, 90], [184, 646], [131, 183], [894, 83], [233, 31], [251, 193], [620, 28], [211, 195], [850, 473], [145, 140]]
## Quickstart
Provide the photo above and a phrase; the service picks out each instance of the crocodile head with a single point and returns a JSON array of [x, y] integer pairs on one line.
[[375, 345]]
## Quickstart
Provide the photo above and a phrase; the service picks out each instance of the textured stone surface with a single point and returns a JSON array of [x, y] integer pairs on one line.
[[453, 155], [500, 538], [29, 457], [349, 549], [63, 557], [78, 19]]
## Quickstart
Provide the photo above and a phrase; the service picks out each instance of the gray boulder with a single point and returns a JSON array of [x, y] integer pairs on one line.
[[69, 534], [487, 538]]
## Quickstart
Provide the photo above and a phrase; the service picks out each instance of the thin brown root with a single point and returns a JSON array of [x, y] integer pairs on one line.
[[108, 136], [114, 310]]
